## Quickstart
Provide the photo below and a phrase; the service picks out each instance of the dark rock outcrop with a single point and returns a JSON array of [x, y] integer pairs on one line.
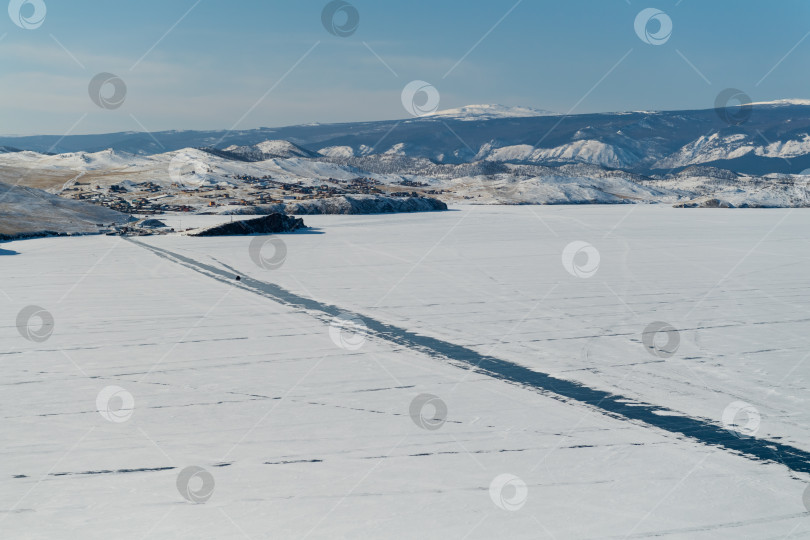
[[704, 203], [273, 223], [152, 224]]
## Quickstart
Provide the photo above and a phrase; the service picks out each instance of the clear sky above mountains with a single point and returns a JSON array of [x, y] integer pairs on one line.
[[189, 64]]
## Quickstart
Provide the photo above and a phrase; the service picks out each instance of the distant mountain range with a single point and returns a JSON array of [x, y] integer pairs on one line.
[[774, 139], [489, 112]]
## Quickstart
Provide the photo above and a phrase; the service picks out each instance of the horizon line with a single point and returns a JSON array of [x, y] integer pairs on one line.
[[795, 102]]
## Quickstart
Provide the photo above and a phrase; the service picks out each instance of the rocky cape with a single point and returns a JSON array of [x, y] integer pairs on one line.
[[270, 224]]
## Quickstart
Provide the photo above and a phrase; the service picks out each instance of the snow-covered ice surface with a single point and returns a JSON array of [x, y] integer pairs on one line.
[[304, 429]]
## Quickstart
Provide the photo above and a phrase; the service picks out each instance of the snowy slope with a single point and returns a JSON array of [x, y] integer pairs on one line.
[[731, 147], [270, 149], [188, 167], [581, 173], [72, 160], [30, 211], [581, 151]]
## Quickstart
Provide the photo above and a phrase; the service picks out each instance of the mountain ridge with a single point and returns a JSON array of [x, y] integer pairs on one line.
[[774, 138]]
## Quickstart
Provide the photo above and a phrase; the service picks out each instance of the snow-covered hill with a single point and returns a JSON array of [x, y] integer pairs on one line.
[[471, 113], [181, 168], [270, 149], [29, 211], [716, 148], [583, 172], [582, 151]]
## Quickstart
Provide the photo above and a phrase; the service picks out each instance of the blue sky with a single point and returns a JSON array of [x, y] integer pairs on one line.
[[212, 69]]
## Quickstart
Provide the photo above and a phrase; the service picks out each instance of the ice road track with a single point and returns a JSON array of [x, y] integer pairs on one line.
[[616, 406]]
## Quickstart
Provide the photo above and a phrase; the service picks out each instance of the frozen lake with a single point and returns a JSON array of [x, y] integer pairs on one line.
[[560, 372]]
